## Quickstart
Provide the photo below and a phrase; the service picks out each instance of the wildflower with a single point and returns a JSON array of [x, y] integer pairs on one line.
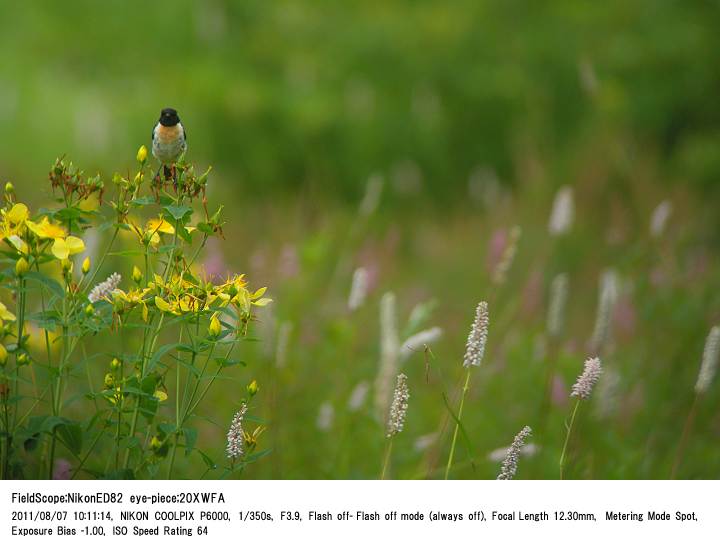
[[498, 455], [606, 304], [423, 442], [155, 443], [215, 327], [109, 381], [563, 211], [389, 347], [21, 266], [104, 289], [659, 218], [398, 408], [86, 265], [419, 340], [711, 354], [283, 341], [16, 216], [61, 470], [142, 154], [509, 466], [235, 435], [358, 396], [558, 301], [606, 401], [475, 347], [373, 192], [5, 314], [508, 256], [586, 381], [63, 245], [359, 288], [326, 415]]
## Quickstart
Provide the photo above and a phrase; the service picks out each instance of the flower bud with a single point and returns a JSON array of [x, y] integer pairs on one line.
[[115, 363], [252, 388], [23, 359], [90, 310], [155, 443], [142, 154], [21, 266], [215, 327], [138, 179], [109, 381], [137, 275], [86, 265], [9, 188], [3, 355]]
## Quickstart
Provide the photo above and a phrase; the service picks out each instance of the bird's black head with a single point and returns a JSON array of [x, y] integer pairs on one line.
[[169, 117]]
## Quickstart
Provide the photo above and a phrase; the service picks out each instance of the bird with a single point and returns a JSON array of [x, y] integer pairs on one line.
[[169, 140]]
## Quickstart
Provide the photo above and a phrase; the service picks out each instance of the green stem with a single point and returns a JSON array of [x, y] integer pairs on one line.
[[457, 424], [89, 280], [386, 461], [567, 439], [136, 410], [687, 429]]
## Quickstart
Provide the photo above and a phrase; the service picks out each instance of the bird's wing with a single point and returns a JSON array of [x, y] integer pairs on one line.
[[184, 135]]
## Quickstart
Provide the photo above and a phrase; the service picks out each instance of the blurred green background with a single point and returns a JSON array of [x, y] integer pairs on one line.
[[473, 114]]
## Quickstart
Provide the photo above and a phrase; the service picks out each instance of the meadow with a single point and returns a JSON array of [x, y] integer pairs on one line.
[[381, 171]]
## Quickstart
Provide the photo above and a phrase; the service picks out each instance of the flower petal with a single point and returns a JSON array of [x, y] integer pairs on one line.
[[75, 245], [60, 249], [17, 214]]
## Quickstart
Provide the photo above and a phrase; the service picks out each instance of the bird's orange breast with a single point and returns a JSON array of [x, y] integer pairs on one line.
[[168, 134]]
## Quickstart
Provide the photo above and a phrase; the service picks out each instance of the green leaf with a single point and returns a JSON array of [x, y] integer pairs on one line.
[[72, 435], [177, 212], [166, 428], [208, 460], [164, 350], [51, 284], [205, 228], [190, 434], [257, 455], [143, 201]]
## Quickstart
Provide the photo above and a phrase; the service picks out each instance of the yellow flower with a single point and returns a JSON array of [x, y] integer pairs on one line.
[[215, 327], [63, 246], [46, 229], [160, 395], [159, 225], [21, 266], [142, 154], [13, 220], [5, 314], [18, 214]]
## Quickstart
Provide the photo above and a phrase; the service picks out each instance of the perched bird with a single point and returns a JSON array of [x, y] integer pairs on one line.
[[169, 139]]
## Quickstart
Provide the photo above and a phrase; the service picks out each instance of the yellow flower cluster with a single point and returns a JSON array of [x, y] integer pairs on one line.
[[184, 294], [18, 229]]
